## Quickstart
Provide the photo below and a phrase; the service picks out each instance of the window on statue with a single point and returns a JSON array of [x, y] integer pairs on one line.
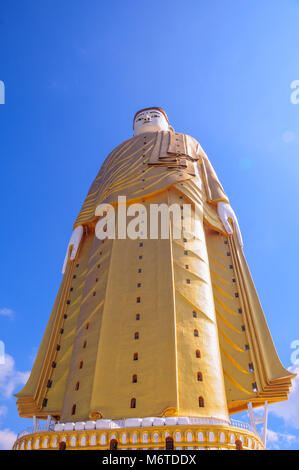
[[188, 281], [77, 386], [199, 376], [137, 316], [133, 403], [84, 344], [169, 443], [136, 335], [73, 409], [254, 387], [81, 365], [251, 368], [113, 444], [194, 314], [87, 326], [197, 353], [134, 379], [196, 333], [201, 403], [135, 357], [138, 300]]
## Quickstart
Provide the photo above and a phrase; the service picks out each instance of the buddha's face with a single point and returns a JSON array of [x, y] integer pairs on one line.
[[151, 120]]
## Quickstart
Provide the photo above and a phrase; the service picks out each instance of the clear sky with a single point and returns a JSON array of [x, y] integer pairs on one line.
[[75, 72]]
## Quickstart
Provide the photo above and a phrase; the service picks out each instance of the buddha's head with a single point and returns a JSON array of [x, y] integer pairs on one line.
[[150, 120]]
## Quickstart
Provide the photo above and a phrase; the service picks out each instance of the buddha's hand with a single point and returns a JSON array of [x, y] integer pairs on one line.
[[225, 213], [74, 244]]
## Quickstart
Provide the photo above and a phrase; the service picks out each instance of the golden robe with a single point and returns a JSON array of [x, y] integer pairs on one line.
[[202, 336]]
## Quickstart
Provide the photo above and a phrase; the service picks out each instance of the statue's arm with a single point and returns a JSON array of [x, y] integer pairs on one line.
[[74, 245], [216, 195]]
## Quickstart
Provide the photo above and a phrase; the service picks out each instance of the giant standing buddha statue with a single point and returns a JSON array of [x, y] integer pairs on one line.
[[153, 341]]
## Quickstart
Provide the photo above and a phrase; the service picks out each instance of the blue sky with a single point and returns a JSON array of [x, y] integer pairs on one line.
[[75, 72]]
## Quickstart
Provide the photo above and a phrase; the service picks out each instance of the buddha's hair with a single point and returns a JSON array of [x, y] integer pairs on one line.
[[148, 109]]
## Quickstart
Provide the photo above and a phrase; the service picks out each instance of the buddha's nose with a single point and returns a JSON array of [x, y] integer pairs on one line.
[[147, 118]]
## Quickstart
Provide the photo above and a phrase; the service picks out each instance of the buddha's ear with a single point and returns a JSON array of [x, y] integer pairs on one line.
[[171, 128]]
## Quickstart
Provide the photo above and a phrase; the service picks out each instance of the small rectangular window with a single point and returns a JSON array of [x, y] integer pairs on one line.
[[138, 300], [251, 368], [45, 401], [247, 347]]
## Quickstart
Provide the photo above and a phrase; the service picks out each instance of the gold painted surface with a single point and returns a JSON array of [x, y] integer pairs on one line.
[[104, 296]]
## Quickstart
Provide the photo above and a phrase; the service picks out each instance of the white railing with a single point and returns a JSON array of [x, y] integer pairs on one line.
[[119, 424], [240, 424]]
